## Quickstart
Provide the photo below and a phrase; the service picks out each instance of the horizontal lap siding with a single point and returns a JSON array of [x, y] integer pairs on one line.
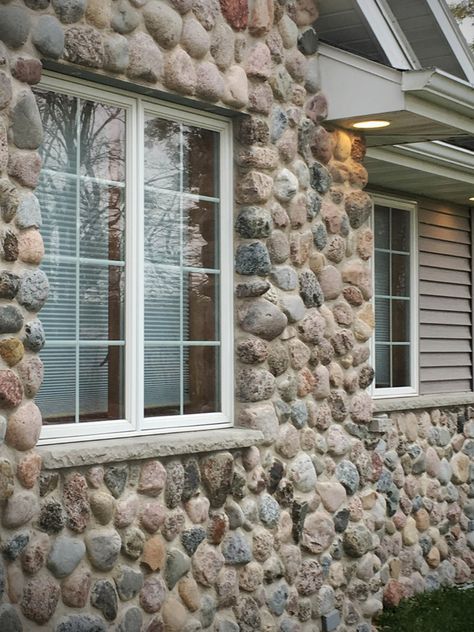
[[445, 299]]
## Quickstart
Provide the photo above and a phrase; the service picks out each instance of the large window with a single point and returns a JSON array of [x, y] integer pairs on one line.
[[136, 213], [395, 296]]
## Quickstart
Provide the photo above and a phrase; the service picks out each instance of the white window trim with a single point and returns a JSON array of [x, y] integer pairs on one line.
[[135, 424], [413, 390]]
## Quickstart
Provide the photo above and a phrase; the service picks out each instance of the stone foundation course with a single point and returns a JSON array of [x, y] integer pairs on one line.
[[335, 512]]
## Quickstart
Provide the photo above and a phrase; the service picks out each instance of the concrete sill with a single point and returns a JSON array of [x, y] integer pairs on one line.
[[422, 401], [148, 447]]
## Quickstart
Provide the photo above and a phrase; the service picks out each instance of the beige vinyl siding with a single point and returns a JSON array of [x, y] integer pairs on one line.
[[445, 326]]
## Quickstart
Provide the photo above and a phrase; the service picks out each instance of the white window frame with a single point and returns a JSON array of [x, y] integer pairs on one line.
[[134, 423], [413, 389]]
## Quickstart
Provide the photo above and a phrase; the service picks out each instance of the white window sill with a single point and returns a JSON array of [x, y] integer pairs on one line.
[[422, 401], [146, 447]]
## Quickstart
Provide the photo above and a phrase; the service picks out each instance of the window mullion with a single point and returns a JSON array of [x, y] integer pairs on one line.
[[78, 270], [181, 274]]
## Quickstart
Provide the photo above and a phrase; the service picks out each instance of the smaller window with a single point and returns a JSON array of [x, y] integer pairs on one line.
[[395, 344]]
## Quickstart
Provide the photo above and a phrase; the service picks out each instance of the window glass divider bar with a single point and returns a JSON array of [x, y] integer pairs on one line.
[[181, 274], [86, 343], [182, 343], [78, 242], [79, 176], [84, 260], [181, 193]]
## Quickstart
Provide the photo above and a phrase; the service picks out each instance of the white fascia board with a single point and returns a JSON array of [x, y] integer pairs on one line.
[[388, 40], [431, 157], [454, 36], [441, 88]]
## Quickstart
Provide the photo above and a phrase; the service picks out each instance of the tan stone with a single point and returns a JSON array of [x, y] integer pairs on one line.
[[189, 593], [154, 553], [11, 350], [98, 13], [460, 465], [395, 568], [422, 519], [6, 479], [174, 615], [332, 494], [369, 499], [410, 532], [433, 557], [28, 469]]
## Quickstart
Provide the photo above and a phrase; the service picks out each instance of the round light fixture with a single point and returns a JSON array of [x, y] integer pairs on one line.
[[471, 199], [371, 124]]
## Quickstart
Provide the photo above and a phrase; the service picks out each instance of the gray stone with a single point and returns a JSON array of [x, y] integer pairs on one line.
[[131, 621], [261, 318], [293, 307], [84, 45], [103, 548], [254, 385], [236, 549], [145, 58], [278, 123], [128, 582], [252, 259], [192, 538], [104, 598], [115, 478], [252, 288], [28, 213], [5, 90], [12, 548], [348, 476], [163, 23], [358, 205], [11, 319], [116, 57], [9, 619], [69, 11], [26, 127], [20, 508], [321, 179], [177, 565], [308, 41], [81, 623], [226, 625], [124, 18], [285, 185], [65, 555], [52, 517], [37, 5], [34, 289], [34, 335], [133, 541], [331, 621], [320, 236], [299, 414], [268, 511], [207, 611], [174, 484], [302, 473], [357, 541], [48, 36], [253, 222], [192, 479], [276, 598], [15, 25], [285, 277], [310, 289]]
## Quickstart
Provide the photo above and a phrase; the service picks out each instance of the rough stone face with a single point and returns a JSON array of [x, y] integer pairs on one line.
[[318, 532], [11, 389], [24, 427], [145, 58], [26, 128], [103, 548], [252, 259], [40, 598], [263, 319], [84, 45], [76, 503], [33, 291], [75, 588], [28, 214], [104, 597], [153, 594], [261, 417], [65, 555], [357, 541], [179, 72], [81, 623], [216, 474]]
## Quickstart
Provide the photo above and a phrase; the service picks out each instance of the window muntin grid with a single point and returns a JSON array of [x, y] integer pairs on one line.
[[216, 267]]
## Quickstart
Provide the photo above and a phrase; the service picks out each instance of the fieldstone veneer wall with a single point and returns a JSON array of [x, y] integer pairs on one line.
[[334, 512]]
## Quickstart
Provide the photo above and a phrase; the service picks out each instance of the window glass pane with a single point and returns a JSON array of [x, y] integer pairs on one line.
[[382, 322], [201, 306], [59, 114], [59, 312], [101, 302], [400, 275], [400, 230], [102, 217], [382, 226], [401, 366], [57, 395], [382, 273], [382, 362], [200, 161], [162, 154], [201, 379], [201, 249], [101, 383], [102, 138], [163, 228], [162, 303], [162, 381], [400, 321], [57, 195]]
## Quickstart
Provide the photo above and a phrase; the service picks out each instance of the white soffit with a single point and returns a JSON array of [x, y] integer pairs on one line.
[[420, 104], [435, 170]]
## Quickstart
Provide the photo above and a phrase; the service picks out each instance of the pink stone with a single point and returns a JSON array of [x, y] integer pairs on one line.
[[338, 441], [254, 187], [321, 144], [317, 108], [259, 63], [179, 72], [31, 246], [288, 441], [433, 463], [361, 408], [356, 511], [75, 588], [76, 502], [394, 592], [95, 476], [25, 167], [299, 204], [236, 13], [318, 532], [299, 353], [11, 389], [34, 556], [198, 509], [300, 246], [305, 382], [356, 273], [125, 511], [30, 371], [152, 478], [332, 216], [27, 70], [296, 64], [15, 583], [20, 509], [152, 516], [40, 598], [206, 564], [332, 494], [261, 17], [24, 427], [210, 84], [153, 594], [260, 98], [305, 12], [29, 469], [331, 282]]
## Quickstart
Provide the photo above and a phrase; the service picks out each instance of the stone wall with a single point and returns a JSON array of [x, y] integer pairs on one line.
[[333, 512]]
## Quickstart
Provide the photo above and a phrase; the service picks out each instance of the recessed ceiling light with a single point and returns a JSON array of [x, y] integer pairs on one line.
[[471, 199], [371, 124]]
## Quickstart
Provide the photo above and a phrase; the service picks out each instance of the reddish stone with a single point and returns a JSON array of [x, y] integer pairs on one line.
[[261, 17], [24, 427], [236, 12], [75, 588], [321, 144], [217, 528], [154, 553], [25, 167], [35, 554], [29, 469], [152, 516], [317, 108], [152, 478], [40, 598], [27, 70], [394, 592], [76, 502], [11, 390], [153, 594], [353, 295]]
